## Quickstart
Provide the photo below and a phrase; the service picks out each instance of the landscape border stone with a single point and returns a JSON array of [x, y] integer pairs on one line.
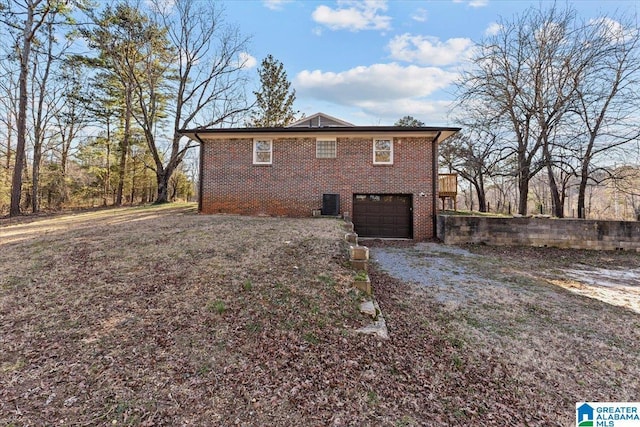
[[359, 261]]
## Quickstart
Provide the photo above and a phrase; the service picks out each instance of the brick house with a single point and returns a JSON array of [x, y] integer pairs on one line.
[[385, 177]]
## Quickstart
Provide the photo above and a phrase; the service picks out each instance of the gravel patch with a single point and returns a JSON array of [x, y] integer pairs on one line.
[[431, 266]]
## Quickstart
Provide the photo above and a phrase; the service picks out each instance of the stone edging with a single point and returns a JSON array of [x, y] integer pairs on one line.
[[359, 260]]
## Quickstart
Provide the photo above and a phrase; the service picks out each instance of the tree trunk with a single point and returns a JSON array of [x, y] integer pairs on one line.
[[582, 188], [123, 165], [556, 204], [39, 131], [63, 166], [133, 180], [35, 179], [523, 188], [162, 178], [107, 179], [482, 196], [9, 137], [16, 182], [482, 200], [125, 145]]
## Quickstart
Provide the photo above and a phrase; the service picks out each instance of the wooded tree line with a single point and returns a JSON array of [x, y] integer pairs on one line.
[[551, 100], [92, 100]]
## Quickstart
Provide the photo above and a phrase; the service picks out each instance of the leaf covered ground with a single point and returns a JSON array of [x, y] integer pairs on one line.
[[161, 316]]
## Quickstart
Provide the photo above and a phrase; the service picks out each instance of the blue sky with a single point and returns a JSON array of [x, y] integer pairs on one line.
[[371, 62]]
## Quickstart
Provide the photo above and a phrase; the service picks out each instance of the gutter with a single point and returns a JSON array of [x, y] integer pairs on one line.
[[293, 132], [197, 137], [434, 179]]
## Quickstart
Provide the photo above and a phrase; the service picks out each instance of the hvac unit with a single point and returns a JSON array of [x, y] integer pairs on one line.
[[331, 204]]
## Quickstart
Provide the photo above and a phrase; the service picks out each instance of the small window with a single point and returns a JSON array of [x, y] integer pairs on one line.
[[262, 151], [383, 151], [326, 148]]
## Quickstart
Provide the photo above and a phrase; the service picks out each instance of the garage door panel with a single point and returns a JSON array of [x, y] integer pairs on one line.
[[383, 215]]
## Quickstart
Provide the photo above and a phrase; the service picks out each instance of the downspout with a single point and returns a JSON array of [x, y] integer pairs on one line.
[[434, 181], [200, 172]]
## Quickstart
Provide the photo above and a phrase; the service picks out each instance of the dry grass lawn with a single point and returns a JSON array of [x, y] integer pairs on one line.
[[161, 316]]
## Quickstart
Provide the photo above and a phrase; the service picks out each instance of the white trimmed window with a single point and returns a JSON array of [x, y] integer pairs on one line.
[[262, 151], [383, 151], [326, 148]]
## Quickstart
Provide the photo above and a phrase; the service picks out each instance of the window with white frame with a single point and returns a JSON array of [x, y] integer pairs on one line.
[[382, 151], [262, 151], [326, 148]]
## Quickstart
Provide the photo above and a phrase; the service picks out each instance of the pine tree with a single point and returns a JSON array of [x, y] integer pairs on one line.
[[274, 101], [409, 121]]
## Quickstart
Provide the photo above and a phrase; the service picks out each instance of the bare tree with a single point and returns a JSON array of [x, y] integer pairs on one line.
[[536, 74], [26, 18], [500, 84], [8, 112], [607, 98], [209, 89], [71, 118], [46, 97], [8, 118], [475, 156], [562, 63]]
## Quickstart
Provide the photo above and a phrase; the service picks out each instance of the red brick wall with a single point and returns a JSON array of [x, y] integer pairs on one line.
[[294, 184]]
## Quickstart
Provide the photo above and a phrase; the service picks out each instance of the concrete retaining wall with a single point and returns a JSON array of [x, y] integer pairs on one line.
[[562, 233]]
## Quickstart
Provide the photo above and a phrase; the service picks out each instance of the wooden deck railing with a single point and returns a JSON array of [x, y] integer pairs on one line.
[[448, 187]]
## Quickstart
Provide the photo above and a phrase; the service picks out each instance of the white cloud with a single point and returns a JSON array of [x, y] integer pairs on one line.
[[430, 112], [368, 85], [429, 50], [275, 4], [354, 15], [493, 29], [473, 3], [420, 15], [246, 61], [379, 93]]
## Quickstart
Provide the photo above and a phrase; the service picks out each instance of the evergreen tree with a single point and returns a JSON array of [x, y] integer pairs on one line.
[[274, 101], [409, 121]]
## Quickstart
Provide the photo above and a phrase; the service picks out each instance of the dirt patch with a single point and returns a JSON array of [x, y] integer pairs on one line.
[[612, 277], [161, 316], [616, 287]]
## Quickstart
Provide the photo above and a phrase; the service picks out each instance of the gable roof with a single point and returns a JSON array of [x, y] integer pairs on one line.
[[319, 120]]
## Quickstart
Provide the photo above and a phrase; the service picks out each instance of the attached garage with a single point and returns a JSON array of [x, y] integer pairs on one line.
[[383, 215]]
